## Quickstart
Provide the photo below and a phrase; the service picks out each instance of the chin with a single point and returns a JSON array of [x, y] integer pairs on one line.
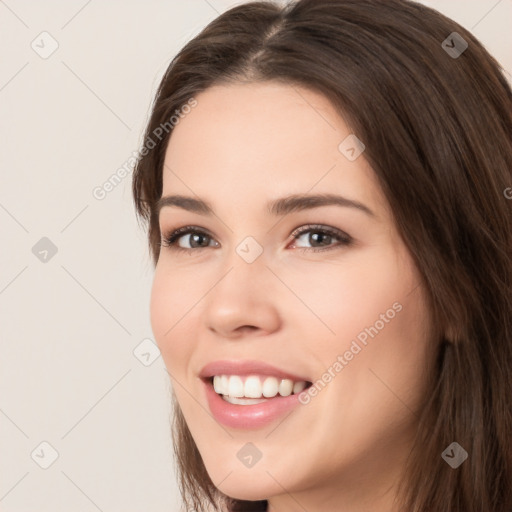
[[239, 482], [246, 489]]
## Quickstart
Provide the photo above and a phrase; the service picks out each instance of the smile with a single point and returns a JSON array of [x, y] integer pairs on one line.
[[233, 387], [250, 395]]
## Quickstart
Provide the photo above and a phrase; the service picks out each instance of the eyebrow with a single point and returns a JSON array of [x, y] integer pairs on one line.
[[276, 207]]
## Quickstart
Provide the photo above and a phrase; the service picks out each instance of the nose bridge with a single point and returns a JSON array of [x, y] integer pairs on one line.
[[244, 268], [240, 297], [250, 250]]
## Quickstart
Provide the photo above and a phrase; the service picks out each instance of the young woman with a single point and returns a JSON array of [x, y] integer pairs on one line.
[[327, 189]]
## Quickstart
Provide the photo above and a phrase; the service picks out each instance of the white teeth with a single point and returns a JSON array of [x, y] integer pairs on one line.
[[243, 401], [254, 387], [298, 387], [286, 387], [235, 386], [270, 387], [217, 385]]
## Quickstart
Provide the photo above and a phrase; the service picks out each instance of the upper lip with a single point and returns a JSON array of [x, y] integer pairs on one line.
[[246, 367]]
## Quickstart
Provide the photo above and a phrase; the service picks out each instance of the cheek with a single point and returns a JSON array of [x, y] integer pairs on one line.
[[169, 313], [382, 327], [348, 296], [377, 316]]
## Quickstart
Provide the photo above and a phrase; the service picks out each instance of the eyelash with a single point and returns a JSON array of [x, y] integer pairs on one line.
[[170, 239]]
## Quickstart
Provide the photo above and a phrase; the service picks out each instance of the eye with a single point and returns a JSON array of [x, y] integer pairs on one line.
[[197, 240], [326, 235], [319, 236]]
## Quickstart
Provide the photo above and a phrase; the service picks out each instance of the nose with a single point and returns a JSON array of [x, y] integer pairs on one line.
[[243, 301]]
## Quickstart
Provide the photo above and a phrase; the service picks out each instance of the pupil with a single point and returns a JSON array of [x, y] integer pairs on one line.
[[316, 235], [194, 238]]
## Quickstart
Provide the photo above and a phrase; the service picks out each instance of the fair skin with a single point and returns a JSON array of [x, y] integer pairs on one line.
[[242, 146]]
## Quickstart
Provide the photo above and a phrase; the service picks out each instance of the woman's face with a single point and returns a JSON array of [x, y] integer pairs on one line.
[[350, 318]]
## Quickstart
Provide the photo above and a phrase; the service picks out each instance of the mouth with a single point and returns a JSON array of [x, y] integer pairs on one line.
[[254, 389], [249, 394]]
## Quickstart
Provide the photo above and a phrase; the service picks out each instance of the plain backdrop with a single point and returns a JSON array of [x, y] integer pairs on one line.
[[84, 395]]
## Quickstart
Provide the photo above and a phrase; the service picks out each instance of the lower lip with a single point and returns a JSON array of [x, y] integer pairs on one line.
[[248, 416]]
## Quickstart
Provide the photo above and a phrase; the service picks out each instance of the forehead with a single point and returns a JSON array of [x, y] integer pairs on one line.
[[254, 140]]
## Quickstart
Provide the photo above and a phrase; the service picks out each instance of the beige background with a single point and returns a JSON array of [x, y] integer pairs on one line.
[[69, 326]]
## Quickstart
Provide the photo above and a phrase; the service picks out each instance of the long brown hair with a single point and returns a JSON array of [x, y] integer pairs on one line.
[[438, 134]]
